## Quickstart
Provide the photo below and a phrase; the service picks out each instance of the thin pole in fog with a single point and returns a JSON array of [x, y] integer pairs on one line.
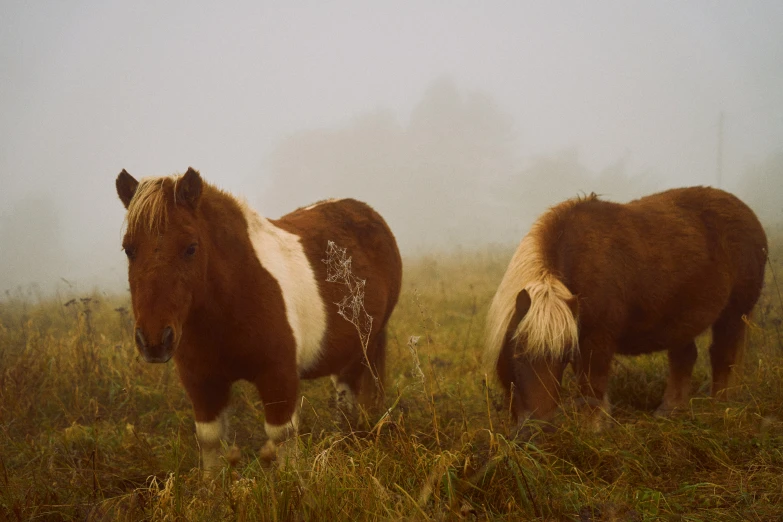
[[719, 174]]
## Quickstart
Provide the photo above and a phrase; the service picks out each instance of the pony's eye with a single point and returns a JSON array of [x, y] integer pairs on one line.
[[130, 252], [191, 250]]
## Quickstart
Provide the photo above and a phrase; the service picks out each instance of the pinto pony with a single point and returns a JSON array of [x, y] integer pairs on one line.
[[594, 278], [231, 295]]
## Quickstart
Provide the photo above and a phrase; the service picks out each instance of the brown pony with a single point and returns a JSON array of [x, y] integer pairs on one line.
[[595, 278], [231, 295]]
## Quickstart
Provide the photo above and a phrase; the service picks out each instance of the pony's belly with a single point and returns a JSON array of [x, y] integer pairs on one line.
[[693, 316], [341, 349], [640, 346], [659, 339], [316, 372]]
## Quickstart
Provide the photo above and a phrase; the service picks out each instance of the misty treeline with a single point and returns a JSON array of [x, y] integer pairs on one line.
[[32, 248], [452, 175]]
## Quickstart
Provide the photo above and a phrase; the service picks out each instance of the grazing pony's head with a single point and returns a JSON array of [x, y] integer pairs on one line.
[[167, 263]]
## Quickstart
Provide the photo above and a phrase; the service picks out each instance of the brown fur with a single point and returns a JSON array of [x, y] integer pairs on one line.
[[227, 311], [648, 275]]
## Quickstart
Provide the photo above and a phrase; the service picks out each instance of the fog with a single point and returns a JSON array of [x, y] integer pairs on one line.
[[460, 121]]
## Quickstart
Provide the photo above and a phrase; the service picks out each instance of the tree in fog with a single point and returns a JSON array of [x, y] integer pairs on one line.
[[427, 177], [448, 177]]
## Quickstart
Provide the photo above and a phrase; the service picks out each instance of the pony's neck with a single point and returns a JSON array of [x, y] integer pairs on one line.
[[230, 269]]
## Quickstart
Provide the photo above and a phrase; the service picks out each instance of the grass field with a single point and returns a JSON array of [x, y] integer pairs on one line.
[[90, 432]]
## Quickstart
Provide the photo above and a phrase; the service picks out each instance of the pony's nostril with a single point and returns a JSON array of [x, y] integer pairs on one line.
[[140, 342], [168, 336]]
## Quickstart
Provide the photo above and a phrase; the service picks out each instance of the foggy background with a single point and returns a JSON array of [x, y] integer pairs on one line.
[[460, 122]]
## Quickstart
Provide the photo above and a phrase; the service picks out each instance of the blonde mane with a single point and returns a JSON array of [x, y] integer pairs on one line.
[[549, 328], [148, 210]]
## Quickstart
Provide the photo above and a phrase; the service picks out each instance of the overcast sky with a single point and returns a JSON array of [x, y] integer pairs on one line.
[[90, 88]]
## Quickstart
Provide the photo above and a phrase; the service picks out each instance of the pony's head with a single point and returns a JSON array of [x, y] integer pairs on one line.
[[167, 264]]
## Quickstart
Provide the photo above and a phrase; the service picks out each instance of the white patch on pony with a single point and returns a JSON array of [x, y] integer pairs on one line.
[[282, 255], [280, 432], [210, 432], [319, 203], [345, 398], [210, 435], [549, 327]]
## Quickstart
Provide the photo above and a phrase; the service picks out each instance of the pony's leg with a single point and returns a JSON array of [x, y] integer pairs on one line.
[[279, 437], [347, 386], [728, 336], [681, 362], [210, 436], [281, 412], [593, 368], [346, 389], [209, 406], [363, 376]]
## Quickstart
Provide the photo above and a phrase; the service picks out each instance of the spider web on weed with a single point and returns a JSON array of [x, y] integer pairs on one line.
[[351, 308]]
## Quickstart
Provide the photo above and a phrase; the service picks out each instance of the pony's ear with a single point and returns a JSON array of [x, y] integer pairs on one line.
[[523, 305], [126, 187], [189, 188]]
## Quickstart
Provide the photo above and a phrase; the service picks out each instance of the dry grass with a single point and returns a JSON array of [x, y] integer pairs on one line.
[[90, 432]]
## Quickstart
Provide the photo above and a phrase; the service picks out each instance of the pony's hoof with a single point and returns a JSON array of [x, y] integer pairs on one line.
[[528, 429], [667, 413], [595, 414], [283, 454], [209, 476], [524, 433], [233, 455], [664, 411], [268, 453]]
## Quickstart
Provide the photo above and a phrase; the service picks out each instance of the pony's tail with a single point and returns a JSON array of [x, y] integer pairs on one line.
[[548, 328]]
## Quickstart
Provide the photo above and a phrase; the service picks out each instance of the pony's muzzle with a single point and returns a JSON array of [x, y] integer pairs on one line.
[[159, 353]]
